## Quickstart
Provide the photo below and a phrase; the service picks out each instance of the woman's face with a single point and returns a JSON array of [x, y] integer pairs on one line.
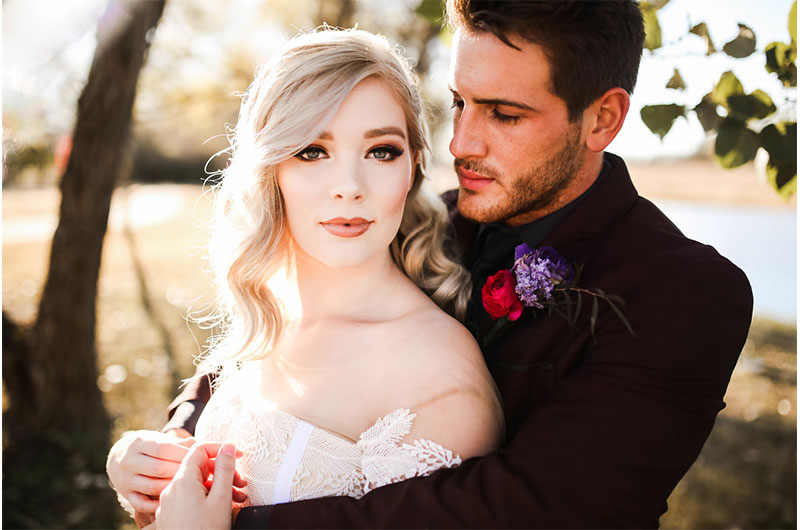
[[344, 194]]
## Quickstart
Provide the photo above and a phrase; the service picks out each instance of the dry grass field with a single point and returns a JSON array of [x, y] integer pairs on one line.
[[745, 477]]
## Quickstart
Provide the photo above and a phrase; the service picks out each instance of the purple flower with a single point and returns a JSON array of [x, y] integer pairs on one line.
[[538, 272]]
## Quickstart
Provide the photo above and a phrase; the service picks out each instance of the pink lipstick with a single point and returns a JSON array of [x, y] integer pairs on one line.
[[341, 227]]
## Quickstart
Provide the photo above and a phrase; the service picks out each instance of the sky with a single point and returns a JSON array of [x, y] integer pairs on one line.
[[46, 43]]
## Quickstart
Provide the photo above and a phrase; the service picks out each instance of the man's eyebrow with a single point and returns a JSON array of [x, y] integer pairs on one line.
[[503, 102], [497, 101], [383, 131]]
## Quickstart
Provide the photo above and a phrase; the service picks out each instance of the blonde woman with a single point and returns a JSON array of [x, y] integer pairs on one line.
[[340, 368]]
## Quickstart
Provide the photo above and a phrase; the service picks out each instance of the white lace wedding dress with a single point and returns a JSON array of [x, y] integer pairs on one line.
[[287, 459]]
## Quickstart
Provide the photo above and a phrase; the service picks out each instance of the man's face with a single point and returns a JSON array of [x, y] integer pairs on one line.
[[516, 152]]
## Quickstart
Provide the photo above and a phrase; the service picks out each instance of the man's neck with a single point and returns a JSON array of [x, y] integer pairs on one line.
[[582, 181]]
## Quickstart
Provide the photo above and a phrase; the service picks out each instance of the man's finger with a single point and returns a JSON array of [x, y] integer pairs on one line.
[[224, 468], [142, 503], [173, 451], [149, 485]]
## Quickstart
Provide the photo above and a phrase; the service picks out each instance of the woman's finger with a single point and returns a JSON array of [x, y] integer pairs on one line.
[[221, 493], [239, 495], [238, 480]]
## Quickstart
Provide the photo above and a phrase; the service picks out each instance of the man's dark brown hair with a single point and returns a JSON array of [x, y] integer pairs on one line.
[[592, 46]]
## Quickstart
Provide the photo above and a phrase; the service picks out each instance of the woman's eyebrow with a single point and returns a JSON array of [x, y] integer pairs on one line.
[[383, 131]]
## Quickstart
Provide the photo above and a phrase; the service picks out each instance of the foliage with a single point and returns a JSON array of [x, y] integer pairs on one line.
[[743, 123]]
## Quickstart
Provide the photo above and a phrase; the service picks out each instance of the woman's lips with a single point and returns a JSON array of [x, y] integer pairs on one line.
[[341, 227], [471, 180]]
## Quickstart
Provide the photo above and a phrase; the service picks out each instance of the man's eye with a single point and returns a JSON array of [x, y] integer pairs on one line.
[[458, 103], [504, 118], [311, 153], [384, 153]]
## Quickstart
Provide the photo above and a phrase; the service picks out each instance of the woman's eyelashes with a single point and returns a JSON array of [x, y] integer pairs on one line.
[[312, 153], [385, 153], [382, 153]]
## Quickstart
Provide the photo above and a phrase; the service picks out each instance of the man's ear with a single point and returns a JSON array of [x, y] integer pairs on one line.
[[604, 117]]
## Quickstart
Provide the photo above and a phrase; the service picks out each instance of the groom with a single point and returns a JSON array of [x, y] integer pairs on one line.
[[602, 420]]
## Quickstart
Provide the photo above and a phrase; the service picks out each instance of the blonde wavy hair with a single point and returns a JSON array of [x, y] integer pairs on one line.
[[294, 95]]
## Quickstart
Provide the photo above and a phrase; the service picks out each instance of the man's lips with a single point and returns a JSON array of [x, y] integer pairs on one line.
[[471, 180], [342, 227]]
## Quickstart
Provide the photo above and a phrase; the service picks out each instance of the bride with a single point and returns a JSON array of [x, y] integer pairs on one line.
[[340, 366]]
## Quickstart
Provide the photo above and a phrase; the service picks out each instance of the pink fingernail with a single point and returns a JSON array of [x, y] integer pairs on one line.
[[228, 449]]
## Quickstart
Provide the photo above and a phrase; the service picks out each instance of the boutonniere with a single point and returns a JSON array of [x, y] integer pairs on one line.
[[541, 278]]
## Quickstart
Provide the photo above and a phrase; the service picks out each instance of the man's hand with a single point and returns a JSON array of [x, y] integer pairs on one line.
[[141, 464], [187, 503]]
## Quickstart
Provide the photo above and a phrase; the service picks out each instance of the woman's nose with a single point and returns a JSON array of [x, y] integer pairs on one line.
[[348, 183]]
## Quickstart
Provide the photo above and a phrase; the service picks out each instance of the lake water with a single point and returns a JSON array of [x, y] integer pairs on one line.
[[761, 241]]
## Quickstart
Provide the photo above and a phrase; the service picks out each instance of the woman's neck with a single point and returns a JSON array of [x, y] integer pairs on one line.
[[353, 293]]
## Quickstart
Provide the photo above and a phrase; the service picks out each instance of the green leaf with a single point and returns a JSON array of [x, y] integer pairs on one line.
[[655, 4], [707, 113], [783, 179], [659, 118], [676, 81], [757, 105], [793, 22], [728, 85], [702, 30], [780, 60], [431, 10], [735, 144], [652, 29], [743, 45], [621, 316], [780, 141]]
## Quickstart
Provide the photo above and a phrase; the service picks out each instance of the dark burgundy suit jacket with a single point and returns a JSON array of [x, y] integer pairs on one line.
[[599, 430]]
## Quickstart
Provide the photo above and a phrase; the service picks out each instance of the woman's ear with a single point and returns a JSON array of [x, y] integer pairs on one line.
[[604, 118], [416, 160]]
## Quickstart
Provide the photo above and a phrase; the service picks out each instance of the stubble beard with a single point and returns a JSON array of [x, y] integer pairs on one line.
[[537, 189]]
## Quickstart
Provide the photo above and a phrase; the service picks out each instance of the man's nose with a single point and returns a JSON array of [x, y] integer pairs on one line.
[[468, 133], [348, 180]]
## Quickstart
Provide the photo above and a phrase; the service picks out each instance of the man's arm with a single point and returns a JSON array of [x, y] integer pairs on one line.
[[185, 409], [604, 448]]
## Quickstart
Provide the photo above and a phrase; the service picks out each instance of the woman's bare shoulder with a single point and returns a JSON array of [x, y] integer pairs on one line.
[[445, 382]]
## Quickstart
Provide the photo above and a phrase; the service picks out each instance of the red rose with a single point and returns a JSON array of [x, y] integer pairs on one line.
[[499, 297]]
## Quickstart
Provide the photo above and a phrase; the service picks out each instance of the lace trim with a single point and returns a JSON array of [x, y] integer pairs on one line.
[[330, 464], [385, 460]]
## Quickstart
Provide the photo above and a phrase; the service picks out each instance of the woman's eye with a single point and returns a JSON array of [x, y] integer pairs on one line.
[[385, 153], [458, 103], [311, 153]]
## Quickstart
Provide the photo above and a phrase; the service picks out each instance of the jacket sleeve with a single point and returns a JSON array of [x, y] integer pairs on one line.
[[185, 409], [604, 448]]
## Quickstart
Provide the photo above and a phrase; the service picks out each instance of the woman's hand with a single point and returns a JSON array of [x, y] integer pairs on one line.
[[142, 463], [188, 503]]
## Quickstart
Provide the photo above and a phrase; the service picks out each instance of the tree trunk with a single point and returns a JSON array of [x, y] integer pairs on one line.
[[58, 439]]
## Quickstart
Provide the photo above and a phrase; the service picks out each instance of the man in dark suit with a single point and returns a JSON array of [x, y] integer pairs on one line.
[[604, 413]]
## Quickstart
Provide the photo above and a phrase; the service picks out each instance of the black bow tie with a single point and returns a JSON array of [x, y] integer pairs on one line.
[[493, 251]]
